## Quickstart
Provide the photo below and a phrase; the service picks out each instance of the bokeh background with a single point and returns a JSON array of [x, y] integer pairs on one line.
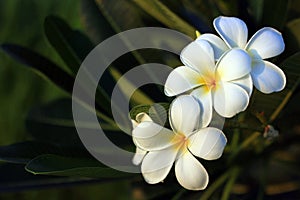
[[22, 23]]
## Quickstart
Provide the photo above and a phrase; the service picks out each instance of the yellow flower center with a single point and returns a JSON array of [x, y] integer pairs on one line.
[[180, 142], [209, 81]]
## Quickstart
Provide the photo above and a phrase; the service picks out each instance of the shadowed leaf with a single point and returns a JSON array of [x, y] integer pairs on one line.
[[76, 167], [71, 45], [41, 65]]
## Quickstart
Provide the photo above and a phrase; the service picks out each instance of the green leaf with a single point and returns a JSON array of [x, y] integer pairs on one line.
[[21, 180], [114, 18], [272, 104], [23, 152], [54, 123], [121, 15], [292, 37], [98, 28], [256, 9], [71, 45], [275, 13], [163, 14], [158, 112], [64, 166], [51, 72], [41, 66]]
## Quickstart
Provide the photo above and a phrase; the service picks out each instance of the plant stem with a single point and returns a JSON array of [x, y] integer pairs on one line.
[[215, 185], [244, 144], [227, 190]]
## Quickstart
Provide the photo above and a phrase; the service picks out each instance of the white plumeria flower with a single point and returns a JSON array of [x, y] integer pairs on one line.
[[225, 86], [265, 43], [179, 145], [139, 153]]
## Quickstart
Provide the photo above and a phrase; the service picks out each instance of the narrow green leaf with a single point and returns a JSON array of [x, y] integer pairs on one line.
[[292, 37], [113, 18], [41, 65], [256, 9], [51, 72], [163, 14], [71, 45], [98, 28], [275, 13], [21, 180], [64, 166], [122, 15], [53, 123], [23, 152]]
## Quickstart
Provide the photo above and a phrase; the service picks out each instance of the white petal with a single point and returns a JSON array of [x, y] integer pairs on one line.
[[190, 173], [267, 77], [157, 164], [217, 44], [230, 99], [207, 143], [246, 83], [266, 43], [151, 136], [199, 56], [204, 98], [134, 124], [181, 80], [233, 31], [143, 117], [184, 115], [138, 156], [235, 64]]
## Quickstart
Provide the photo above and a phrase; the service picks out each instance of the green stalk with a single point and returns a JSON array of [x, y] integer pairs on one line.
[[227, 190], [213, 187]]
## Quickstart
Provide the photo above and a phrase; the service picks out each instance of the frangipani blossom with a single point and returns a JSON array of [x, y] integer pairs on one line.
[[179, 145], [139, 153], [265, 43], [225, 86]]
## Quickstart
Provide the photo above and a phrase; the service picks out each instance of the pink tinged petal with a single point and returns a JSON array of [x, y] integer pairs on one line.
[[267, 77], [266, 43], [245, 83], [138, 156], [218, 45], [190, 173], [181, 80], [235, 64], [199, 56], [204, 98], [184, 115], [208, 143], [233, 31], [230, 99], [157, 164], [151, 136]]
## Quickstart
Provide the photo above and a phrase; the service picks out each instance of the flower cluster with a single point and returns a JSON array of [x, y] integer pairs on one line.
[[217, 76]]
